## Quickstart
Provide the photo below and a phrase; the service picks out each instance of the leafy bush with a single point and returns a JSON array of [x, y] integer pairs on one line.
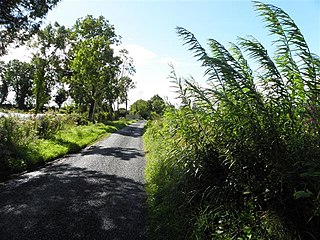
[[15, 135], [121, 113], [47, 126], [247, 146], [75, 119]]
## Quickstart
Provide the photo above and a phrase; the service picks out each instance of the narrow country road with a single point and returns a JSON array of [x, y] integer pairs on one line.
[[95, 194]]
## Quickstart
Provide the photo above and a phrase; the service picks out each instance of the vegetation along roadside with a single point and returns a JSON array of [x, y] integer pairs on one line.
[[26, 144], [73, 72], [240, 158]]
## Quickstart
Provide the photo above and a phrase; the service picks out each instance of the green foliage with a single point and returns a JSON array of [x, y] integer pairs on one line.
[[167, 215], [14, 137], [20, 19], [61, 97], [125, 84], [81, 59], [158, 105], [142, 108], [121, 113], [49, 61], [47, 126], [19, 77], [246, 146], [93, 63], [151, 109], [4, 85], [41, 88], [25, 144]]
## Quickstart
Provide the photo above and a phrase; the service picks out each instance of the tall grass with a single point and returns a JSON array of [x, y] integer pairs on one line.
[[247, 146]]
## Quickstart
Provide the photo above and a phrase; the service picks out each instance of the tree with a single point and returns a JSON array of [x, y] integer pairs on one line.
[[93, 64], [158, 105], [19, 76], [19, 19], [127, 66], [61, 97], [125, 84], [40, 88], [49, 61], [142, 108], [4, 86]]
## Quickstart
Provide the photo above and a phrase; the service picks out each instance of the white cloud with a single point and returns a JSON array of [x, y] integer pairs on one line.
[[151, 82], [152, 72], [141, 56], [169, 60]]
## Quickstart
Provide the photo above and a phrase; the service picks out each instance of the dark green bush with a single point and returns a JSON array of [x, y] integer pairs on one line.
[[121, 113]]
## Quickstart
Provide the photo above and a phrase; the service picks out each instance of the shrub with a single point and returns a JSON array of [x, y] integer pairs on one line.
[[47, 126], [15, 135]]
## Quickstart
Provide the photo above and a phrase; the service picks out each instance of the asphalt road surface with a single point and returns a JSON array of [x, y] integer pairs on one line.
[[95, 194]]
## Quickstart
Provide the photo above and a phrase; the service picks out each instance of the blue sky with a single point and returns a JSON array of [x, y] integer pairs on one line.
[[148, 31]]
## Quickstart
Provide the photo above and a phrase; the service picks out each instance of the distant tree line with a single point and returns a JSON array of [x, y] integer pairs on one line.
[[150, 109], [78, 63]]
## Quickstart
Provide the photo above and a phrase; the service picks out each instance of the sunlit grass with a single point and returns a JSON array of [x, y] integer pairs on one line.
[[68, 140], [72, 140], [82, 135], [47, 150]]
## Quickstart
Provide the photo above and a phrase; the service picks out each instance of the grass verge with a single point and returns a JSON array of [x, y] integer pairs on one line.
[[69, 140], [167, 213]]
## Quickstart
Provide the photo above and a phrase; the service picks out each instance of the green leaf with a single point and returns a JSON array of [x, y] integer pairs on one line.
[[302, 194], [310, 174]]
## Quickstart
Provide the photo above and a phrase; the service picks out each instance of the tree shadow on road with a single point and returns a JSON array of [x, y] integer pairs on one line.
[[118, 152], [65, 202], [131, 131]]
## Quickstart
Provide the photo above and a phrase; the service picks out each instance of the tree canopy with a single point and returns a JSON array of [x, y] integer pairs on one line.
[[49, 61], [19, 78], [155, 106], [142, 108], [93, 63], [19, 19], [83, 60]]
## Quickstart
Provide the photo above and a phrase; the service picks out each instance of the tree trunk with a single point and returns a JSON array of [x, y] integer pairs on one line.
[[110, 110], [91, 110], [126, 106], [37, 102], [126, 103]]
